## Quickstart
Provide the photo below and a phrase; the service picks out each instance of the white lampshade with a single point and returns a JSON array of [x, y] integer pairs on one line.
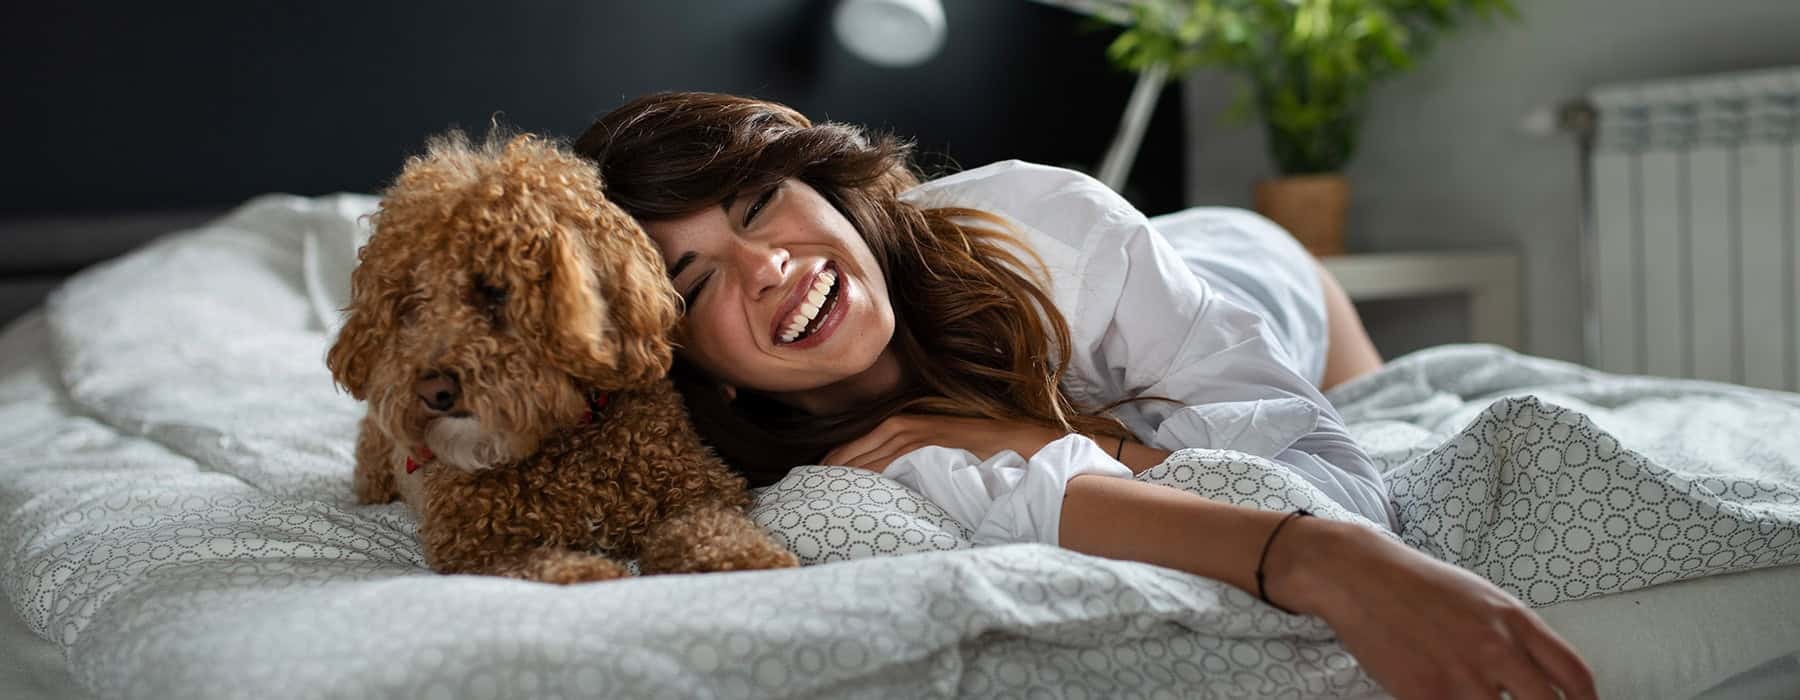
[[893, 33]]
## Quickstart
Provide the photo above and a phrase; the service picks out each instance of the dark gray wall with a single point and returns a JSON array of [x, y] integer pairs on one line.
[[116, 108], [129, 105], [123, 108], [1445, 164]]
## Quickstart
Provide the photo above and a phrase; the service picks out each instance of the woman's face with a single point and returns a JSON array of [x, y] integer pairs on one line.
[[783, 296]]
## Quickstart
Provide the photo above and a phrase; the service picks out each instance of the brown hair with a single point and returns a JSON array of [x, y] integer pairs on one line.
[[976, 336]]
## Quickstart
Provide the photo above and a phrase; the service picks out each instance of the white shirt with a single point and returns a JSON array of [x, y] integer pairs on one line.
[[1141, 323]]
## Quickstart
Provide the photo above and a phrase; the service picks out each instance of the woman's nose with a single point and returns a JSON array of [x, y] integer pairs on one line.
[[439, 391], [766, 266]]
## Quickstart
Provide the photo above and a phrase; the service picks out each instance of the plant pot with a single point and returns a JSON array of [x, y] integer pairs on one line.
[[1311, 207]]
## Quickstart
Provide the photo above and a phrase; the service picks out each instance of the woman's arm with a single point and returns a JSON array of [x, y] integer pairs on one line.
[[1421, 628], [1135, 455]]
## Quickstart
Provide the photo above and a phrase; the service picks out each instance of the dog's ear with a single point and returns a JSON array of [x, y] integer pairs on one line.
[[612, 306], [576, 311], [645, 306], [369, 322]]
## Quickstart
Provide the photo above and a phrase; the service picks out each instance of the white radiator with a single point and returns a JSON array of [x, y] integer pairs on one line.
[[1693, 265]]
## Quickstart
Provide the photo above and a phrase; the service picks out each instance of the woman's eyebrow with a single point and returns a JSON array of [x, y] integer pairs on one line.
[[681, 264]]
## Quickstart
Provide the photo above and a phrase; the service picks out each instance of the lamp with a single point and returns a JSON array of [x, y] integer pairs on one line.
[[890, 33], [1115, 167]]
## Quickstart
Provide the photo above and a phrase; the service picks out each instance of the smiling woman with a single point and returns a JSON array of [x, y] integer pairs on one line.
[[991, 330], [750, 202], [769, 278]]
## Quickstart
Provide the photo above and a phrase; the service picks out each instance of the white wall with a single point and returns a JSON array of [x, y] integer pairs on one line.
[[1444, 164]]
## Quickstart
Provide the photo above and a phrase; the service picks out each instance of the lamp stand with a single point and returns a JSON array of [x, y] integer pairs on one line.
[[1116, 166]]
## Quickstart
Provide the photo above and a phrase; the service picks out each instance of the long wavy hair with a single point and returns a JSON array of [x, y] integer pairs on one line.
[[975, 330]]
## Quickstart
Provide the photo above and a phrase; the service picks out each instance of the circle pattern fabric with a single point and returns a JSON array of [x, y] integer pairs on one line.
[[1540, 501], [825, 514], [197, 539]]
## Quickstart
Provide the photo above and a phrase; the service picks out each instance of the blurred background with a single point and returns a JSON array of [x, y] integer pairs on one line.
[[147, 116], [129, 120]]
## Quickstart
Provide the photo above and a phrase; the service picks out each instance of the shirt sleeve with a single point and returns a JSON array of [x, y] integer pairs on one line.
[[1006, 498]]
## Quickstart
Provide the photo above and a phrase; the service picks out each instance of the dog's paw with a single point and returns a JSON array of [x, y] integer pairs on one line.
[[372, 480], [572, 567], [772, 557], [374, 488], [715, 539], [746, 550], [716, 557]]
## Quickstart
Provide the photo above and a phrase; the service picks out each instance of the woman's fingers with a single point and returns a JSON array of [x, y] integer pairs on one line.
[[1557, 658], [875, 449], [1426, 629], [845, 453], [1504, 649], [879, 461], [864, 456], [1477, 662], [1505, 665], [878, 458]]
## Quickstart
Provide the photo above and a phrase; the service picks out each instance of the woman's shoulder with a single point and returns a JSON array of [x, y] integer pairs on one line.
[[1061, 204], [1011, 169], [1011, 185]]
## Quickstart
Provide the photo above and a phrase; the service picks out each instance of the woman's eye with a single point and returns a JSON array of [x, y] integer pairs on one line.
[[762, 200], [688, 299]]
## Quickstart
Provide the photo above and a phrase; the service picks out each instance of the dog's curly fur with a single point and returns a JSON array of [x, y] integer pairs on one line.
[[502, 269]]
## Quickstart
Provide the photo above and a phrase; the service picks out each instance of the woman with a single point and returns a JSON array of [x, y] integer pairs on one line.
[[839, 312]]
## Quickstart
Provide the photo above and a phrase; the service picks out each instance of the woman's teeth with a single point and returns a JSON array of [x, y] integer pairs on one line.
[[809, 309]]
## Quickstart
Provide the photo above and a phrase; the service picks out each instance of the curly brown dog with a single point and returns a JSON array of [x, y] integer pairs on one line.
[[509, 328]]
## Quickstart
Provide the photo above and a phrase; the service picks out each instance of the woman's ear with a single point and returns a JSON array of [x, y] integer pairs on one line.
[[729, 391]]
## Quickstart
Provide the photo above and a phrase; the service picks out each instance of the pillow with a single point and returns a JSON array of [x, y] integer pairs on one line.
[[826, 514]]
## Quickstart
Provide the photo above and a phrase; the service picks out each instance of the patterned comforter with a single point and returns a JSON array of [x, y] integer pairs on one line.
[[174, 493]]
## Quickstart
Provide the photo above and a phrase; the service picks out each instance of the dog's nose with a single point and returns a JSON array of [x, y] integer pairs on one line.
[[437, 390]]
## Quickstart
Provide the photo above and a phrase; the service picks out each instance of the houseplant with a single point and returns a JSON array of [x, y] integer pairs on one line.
[[1308, 66]]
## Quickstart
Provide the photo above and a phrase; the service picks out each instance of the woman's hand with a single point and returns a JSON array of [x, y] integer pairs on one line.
[[906, 432], [1420, 627]]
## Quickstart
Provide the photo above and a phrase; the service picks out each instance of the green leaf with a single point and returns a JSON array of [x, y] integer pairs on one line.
[[1308, 64]]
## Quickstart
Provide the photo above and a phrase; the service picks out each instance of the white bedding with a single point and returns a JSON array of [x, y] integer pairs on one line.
[[174, 469]]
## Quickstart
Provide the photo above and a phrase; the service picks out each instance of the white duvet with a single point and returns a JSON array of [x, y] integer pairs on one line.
[[174, 490]]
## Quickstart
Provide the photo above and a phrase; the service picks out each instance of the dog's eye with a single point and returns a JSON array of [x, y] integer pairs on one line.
[[489, 297], [408, 311], [408, 307]]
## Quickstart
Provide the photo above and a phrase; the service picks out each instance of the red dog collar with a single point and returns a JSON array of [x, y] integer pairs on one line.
[[596, 401], [424, 456]]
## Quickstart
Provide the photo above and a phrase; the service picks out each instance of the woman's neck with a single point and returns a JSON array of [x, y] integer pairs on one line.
[[881, 380]]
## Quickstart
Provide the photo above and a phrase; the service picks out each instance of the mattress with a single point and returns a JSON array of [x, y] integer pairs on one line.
[[174, 470], [31, 667]]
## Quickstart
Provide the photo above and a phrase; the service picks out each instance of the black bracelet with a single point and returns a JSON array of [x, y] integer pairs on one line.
[[1119, 454], [1260, 593]]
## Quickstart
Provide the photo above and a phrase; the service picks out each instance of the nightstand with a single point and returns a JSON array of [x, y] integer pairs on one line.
[[1489, 280]]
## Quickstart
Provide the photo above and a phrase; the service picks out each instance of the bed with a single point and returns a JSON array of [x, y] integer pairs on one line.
[[174, 488]]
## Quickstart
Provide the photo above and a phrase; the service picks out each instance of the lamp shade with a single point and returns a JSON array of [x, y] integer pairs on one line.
[[893, 33]]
